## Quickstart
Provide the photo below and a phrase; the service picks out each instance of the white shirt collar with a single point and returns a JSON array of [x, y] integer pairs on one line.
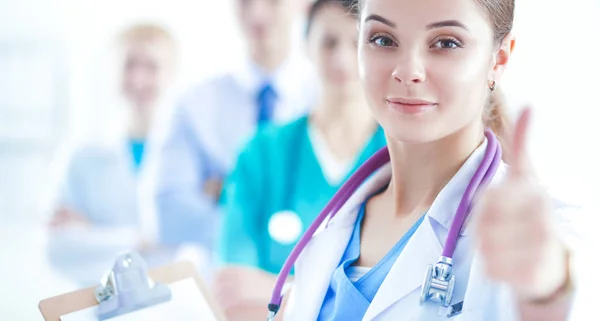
[[287, 80]]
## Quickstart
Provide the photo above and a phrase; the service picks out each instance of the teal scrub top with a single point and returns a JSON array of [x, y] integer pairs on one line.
[[277, 171]]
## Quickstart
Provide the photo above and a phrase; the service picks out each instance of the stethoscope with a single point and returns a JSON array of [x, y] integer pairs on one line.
[[438, 285]]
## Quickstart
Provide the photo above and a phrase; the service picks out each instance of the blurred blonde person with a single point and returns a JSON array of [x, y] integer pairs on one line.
[[95, 213]]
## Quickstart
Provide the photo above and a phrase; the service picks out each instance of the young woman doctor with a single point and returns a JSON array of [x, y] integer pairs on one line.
[[430, 70]]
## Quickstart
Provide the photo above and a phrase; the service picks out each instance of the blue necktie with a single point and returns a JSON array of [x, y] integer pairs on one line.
[[266, 103]]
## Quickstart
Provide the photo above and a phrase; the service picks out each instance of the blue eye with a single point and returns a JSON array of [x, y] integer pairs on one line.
[[448, 44], [382, 41]]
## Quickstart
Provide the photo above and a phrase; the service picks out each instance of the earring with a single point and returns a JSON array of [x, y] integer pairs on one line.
[[493, 86]]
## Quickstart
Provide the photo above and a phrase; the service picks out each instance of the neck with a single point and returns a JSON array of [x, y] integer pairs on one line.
[[139, 125], [345, 123], [349, 113], [269, 57], [420, 171]]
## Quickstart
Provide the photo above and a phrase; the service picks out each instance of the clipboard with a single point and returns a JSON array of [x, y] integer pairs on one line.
[[54, 308]]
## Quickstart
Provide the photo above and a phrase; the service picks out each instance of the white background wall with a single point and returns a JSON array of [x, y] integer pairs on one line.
[[55, 84]]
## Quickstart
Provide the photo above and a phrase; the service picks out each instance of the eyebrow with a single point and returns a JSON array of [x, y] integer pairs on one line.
[[376, 17], [435, 25], [447, 23]]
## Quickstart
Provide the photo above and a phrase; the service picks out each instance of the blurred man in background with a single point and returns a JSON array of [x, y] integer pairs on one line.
[[213, 120]]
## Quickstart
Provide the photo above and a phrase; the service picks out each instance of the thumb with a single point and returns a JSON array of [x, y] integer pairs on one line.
[[518, 157]]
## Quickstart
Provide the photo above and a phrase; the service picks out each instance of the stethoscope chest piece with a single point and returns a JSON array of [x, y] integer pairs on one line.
[[438, 285]]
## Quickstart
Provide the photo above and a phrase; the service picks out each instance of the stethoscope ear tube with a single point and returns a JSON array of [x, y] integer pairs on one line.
[[380, 158]]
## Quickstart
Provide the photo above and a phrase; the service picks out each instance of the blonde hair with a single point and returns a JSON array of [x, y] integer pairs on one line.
[[148, 33], [496, 117]]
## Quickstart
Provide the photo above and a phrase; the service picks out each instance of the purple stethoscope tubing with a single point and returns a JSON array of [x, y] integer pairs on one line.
[[482, 177], [480, 180]]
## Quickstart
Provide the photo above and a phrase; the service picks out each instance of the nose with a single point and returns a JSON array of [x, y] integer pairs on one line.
[[139, 78], [410, 68], [344, 56], [257, 11]]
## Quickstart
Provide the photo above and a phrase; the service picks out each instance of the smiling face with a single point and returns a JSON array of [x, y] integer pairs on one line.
[[148, 57], [426, 65], [144, 74]]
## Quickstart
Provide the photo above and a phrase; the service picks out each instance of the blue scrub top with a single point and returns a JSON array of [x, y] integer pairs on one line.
[[346, 300]]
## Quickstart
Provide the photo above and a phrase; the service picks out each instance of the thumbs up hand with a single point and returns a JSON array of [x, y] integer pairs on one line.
[[514, 229]]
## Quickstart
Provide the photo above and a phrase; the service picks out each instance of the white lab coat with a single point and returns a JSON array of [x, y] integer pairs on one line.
[[98, 181], [398, 296]]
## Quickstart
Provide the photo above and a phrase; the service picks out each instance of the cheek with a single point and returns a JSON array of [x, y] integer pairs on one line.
[[459, 82], [376, 76], [128, 82], [320, 60], [464, 71]]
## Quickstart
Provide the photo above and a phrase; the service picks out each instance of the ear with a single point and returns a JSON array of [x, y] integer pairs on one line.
[[503, 55]]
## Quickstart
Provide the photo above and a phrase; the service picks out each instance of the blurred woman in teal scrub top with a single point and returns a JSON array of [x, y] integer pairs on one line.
[[287, 173]]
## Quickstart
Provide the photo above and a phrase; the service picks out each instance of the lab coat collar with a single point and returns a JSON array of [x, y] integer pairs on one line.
[[285, 79], [445, 204]]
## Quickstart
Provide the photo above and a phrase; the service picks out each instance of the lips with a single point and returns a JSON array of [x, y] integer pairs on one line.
[[410, 106]]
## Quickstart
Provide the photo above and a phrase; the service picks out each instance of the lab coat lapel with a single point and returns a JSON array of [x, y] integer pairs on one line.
[[319, 261], [322, 255], [407, 273]]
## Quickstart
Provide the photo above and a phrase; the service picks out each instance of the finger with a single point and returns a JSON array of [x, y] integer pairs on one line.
[[507, 239], [515, 266], [519, 144], [496, 202]]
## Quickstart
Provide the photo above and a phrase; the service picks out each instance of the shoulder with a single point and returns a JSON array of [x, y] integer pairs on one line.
[[208, 91], [285, 132], [219, 82], [94, 150], [73, 158], [276, 137]]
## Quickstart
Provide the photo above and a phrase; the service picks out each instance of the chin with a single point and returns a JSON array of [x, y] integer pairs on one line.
[[414, 131], [412, 137]]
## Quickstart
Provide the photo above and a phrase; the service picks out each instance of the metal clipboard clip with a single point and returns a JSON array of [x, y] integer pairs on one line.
[[127, 288]]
